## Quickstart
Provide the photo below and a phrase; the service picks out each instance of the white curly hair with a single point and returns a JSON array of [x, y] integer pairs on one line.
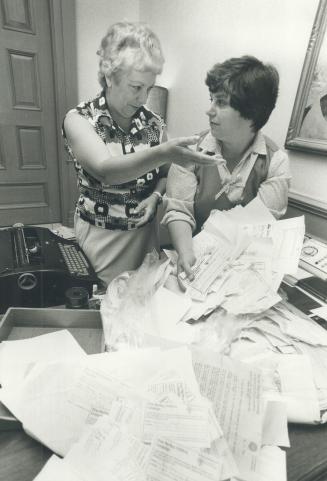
[[129, 45]]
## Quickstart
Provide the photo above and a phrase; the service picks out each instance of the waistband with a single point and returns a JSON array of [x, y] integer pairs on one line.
[[110, 223], [134, 196]]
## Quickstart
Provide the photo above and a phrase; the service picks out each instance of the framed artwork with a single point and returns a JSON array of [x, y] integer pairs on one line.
[[307, 130]]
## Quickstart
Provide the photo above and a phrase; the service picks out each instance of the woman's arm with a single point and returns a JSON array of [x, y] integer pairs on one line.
[[179, 215], [181, 237], [92, 154], [274, 190]]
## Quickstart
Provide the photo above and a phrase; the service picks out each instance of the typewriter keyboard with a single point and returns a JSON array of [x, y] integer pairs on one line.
[[75, 261]]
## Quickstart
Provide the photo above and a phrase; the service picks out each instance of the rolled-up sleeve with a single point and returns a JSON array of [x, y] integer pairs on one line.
[[180, 193], [274, 190]]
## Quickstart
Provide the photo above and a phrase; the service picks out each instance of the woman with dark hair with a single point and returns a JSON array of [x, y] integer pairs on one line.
[[121, 153], [243, 93]]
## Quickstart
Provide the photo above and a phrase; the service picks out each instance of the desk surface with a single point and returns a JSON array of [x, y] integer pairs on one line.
[[22, 458], [307, 457]]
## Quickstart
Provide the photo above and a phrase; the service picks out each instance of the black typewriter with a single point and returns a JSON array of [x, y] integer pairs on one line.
[[38, 266]]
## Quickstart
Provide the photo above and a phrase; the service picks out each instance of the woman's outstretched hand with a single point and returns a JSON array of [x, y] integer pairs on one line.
[[178, 151]]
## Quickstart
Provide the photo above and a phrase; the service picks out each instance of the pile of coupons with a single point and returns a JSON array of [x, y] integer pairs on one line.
[[242, 256], [149, 414]]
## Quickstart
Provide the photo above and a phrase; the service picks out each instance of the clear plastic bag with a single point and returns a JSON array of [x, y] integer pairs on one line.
[[125, 308], [218, 332]]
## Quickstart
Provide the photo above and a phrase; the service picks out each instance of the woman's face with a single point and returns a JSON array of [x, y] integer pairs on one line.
[[225, 121], [128, 93]]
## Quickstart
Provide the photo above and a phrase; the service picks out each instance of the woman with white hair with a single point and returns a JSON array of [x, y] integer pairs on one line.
[[121, 155]]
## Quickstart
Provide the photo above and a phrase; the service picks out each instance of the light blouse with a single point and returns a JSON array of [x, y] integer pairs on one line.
[[193, 191]]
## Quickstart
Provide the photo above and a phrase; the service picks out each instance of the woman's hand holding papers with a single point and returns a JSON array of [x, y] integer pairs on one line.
[[186, 260]]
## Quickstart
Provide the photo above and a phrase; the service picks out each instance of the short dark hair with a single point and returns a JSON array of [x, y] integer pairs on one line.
[[252, 87]]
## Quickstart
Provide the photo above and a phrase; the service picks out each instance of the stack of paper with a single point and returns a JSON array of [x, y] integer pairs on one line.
[[255, 252], [17, 358], [236, 393], [318, 358], [148, 414], [295, 348], [242, 255]]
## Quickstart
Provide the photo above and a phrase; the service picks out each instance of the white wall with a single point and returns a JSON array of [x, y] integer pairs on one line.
[[197, 33], [93, 18]]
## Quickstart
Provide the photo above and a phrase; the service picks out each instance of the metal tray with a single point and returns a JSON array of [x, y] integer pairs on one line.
[[23, 323]]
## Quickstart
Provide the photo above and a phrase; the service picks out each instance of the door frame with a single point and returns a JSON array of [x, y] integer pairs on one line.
[[63, 36]]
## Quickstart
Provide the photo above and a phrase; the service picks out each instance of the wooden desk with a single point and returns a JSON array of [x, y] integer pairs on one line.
[[21, 458], [307, 457]]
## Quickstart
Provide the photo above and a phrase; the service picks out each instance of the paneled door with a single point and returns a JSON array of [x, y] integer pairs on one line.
[[29, 177]]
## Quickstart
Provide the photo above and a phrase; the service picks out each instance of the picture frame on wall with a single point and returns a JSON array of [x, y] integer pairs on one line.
[[307, 130]]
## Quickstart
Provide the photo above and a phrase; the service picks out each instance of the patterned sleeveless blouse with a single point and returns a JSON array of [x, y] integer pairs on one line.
[[111, 206]]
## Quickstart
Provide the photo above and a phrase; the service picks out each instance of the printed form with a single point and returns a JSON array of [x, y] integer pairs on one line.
[[236, 393], [107, 451], [16, 358]]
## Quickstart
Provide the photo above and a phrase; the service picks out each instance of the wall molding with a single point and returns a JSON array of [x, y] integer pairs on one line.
[[63, 31], [314, 211], [307, 205]]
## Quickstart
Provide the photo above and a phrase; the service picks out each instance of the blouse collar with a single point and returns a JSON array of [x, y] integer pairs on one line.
[[212, 146], [140, 120]]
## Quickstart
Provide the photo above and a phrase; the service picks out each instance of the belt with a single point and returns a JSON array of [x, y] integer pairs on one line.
[[111, 223], [113, 197]]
